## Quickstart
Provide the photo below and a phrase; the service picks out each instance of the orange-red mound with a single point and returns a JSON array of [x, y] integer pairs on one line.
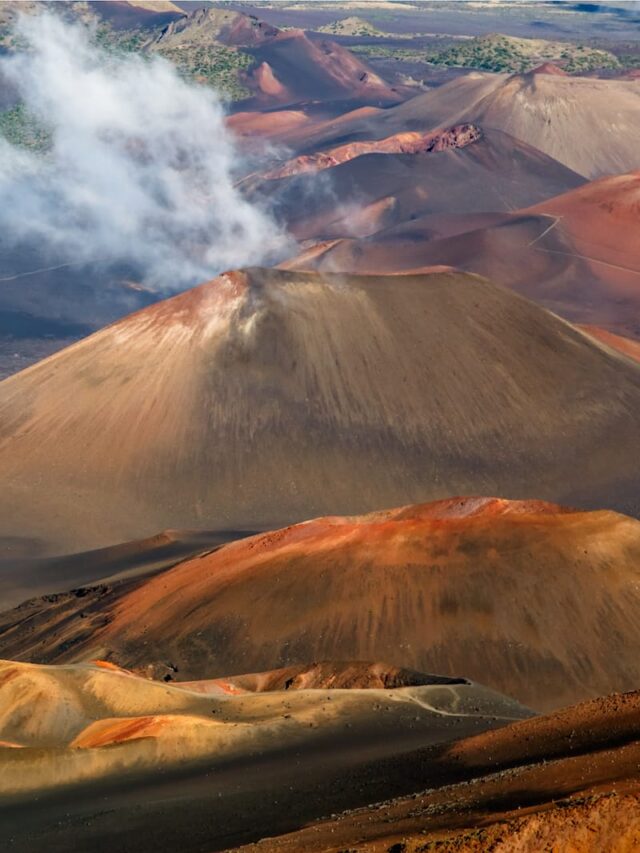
[[119, 730], [549, 68], [479, 586], [626, 346], [409, 142], [265, 124]]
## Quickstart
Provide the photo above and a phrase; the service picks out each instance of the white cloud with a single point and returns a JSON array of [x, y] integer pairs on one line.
[[141, 169]]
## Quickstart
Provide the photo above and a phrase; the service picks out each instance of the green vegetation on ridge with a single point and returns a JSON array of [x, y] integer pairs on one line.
[[499, 53], [352, 26], [216, 65], [506, 53]]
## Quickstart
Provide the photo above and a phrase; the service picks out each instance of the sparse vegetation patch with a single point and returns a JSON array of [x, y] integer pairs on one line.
[[19, 127]]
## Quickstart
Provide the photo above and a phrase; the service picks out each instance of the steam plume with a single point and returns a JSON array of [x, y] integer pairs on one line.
[[141, 167]]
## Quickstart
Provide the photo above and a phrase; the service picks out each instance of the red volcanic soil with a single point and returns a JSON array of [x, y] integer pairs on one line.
[[624, 345], [266, 82], [265, 125], [575, 253], [479, 586], [549, 68], [118, 730], [401, 143], [309, 137], [489, 172], [601, 218], [599, 224], [567, 782]]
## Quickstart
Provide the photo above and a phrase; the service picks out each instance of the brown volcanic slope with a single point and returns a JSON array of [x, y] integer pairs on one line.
[[319, 70], [421, 113], [588, 124], [85, 740], [59, 706], [535, 601], [95, 741], [600, 222], [289, 67], [577, 253], [266, 396], [367, 192], [568, 782]]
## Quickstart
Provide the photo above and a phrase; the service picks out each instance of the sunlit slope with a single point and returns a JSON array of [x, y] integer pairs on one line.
[[88, 723]]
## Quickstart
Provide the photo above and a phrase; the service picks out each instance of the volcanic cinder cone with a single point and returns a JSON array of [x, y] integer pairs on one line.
[[534, 600], [266, 396], [569, 118]]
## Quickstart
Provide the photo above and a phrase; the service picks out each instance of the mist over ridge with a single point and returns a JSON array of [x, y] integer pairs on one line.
[[140, 169]]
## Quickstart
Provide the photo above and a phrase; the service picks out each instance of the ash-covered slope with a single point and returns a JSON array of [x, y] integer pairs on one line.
[[531, 599], [267, 396], [565, 782]]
